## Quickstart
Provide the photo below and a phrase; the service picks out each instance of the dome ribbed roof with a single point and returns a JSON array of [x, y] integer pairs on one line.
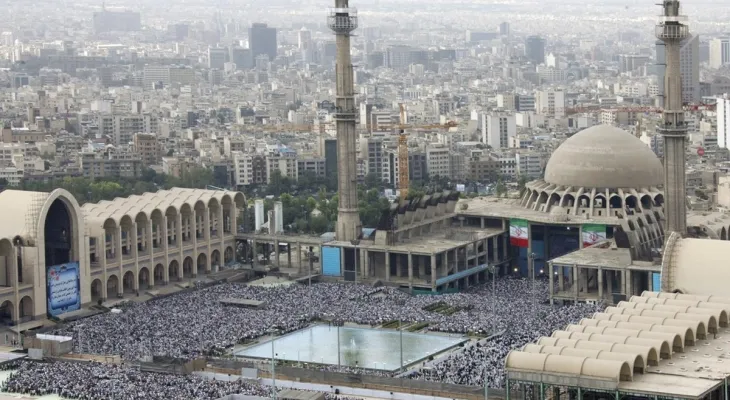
[[604, 156]]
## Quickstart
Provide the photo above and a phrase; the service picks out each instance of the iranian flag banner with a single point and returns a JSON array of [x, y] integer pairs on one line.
[[518, 229], [593, 234]]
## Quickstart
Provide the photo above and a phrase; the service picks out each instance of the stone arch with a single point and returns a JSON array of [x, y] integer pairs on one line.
[[631, 202], [159, 275], [188, 268], [171, 217], [112, 285], [615, 202], [584, 201], [202, 263], [228, 210], [97, 291], [214, 207], [128, 282], [200, 210], [239, 200], [7, 312], [26, 308], [553, 201], [228, 255], [157, 221], [77, 245], [659, 200], [542, 199], [646, 202], [188, 225], [128, 237], [110, 232], [215, 260], [174, 270], [599, 201], [7, 256], [141, 240], [568, 200], [143, 278]]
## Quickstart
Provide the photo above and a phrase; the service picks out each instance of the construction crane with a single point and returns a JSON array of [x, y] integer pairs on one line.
[[645, 109], [403, 180], [380, 127]]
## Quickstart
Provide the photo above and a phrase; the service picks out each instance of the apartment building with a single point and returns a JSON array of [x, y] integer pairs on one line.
[[314, 165], [148, 148], [122, 127], [498, 129], [438, 160], [550, 103], [110, 164]]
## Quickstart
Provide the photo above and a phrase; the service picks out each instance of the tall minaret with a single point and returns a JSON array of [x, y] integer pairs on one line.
[[671, 30], [343, 20]]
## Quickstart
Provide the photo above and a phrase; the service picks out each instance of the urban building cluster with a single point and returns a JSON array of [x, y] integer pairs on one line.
[[256, 101]]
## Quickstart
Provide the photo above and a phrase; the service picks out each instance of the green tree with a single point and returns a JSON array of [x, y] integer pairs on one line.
[[500, 189], [521, 183], [372, 181], [319, 224]]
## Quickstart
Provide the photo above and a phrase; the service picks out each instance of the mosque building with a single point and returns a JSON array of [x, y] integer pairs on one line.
[[57, 257]]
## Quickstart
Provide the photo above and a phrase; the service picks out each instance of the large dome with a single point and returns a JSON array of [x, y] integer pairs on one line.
[[604, 156]]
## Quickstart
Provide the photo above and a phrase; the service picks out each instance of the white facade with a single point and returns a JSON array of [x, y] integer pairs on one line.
[[719, 52], [242, 168], [499, 129], [529, 164], [438, 161], [723, 122], [550, 103]]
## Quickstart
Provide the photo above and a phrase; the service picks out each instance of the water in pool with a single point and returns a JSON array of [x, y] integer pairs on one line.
[[358, 347]]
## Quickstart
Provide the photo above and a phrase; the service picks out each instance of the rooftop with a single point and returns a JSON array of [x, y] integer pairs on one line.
[[657, 329], [608, 257], [511, 208], [428, 244]]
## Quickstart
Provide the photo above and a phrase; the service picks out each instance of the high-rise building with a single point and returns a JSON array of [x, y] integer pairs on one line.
[[723, 122], [304, 39], [550, 103], [535, 49], [499, 128], [262, 40], [504, 29], [719, 52], [216, 57], [689, 65], [241, 57]]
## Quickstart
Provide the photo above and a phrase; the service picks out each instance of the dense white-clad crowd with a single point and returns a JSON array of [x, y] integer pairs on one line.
[[194, 323], [522, 319], [95, 381]]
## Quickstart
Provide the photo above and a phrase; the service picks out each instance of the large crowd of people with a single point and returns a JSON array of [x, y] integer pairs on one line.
[[195, 323], [93, 381]]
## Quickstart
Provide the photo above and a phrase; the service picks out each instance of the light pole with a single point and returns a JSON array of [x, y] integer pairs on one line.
[[486, 383], [493, 270], [400, 329], [532, 276], [273, 365], [338, 344]]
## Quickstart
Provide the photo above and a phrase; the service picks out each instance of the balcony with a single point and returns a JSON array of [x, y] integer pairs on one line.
[[127, 253], [111, 257]]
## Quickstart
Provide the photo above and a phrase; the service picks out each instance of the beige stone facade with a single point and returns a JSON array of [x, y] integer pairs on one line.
[[123, 247]]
